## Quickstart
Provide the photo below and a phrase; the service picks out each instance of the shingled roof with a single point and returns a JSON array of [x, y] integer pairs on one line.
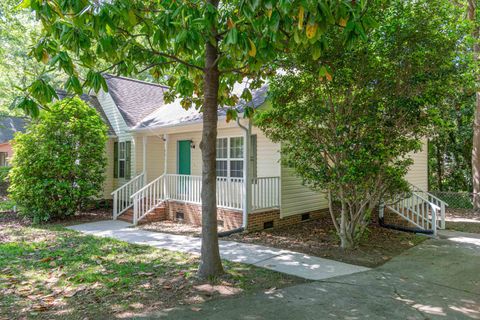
[[135, 99], [10, 125], [93, 102], [173, 114]]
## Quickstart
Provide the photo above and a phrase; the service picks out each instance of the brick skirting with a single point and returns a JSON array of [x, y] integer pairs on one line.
[[229, 219], [257, 220], [192, 214]]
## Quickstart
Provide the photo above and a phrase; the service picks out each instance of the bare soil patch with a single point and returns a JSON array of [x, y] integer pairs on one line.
[[318, 238]]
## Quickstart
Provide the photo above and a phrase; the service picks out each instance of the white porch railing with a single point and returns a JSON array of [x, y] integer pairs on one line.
[[121, 196], [437, 202], [265, 193], [421, 209], [187, 188]]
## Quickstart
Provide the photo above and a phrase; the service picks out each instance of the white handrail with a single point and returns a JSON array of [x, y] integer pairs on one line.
[[265, 193], [148, 198], [121, 196], [436, 201], [188, 188], [418, 211]]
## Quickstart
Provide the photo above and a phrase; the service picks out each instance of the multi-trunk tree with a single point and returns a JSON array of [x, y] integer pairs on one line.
[[349, 121], [201, 48]]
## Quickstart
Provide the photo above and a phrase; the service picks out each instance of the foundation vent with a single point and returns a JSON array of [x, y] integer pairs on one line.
[[179, 216], [268, 224], [305, 216]]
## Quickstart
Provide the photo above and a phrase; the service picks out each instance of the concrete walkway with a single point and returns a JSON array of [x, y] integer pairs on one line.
[[294, 263], [438, 279]]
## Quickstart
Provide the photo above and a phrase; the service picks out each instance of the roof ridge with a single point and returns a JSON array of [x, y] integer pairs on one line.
[[136, 80]]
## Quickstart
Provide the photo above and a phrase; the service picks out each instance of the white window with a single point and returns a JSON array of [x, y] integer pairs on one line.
[[121, 159], [230, 157]]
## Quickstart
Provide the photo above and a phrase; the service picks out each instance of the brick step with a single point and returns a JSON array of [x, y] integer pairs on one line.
[[158, 214]]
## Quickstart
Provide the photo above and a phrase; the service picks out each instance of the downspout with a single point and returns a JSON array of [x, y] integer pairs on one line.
[[247, 186]]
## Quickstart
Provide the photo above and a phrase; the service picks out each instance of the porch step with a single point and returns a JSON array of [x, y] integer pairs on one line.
[[158, 214]]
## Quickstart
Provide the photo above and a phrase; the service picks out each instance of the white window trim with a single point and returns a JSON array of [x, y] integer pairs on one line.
[[120, 159], [229, 158]]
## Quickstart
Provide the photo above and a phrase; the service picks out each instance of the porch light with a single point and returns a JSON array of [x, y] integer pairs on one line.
[[192, 144]]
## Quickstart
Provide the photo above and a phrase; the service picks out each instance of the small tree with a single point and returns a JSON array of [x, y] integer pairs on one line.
[[59, 162], [348, 123]]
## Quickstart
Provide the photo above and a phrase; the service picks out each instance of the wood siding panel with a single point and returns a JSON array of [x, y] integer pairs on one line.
[[110, 184], [297, 198], [418, 173]]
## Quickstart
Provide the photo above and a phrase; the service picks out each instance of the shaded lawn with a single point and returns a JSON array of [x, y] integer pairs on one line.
[[319, 238], [51, 272]]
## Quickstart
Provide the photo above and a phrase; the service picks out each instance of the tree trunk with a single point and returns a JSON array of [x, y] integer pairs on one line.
[[472, 15], [210, 264]]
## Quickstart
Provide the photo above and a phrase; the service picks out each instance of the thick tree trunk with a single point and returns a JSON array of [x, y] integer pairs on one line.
[[210, 264], [472, 15]]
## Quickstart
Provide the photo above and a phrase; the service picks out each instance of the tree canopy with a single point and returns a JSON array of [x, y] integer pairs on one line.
[[350, 132]]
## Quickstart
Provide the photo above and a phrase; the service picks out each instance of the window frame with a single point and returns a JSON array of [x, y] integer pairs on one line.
[[229, 158]]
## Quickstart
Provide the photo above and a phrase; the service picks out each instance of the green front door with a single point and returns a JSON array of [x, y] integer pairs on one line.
[[184, 157]]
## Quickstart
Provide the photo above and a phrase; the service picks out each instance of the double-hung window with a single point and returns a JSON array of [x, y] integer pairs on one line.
[[122, 152], [230, 157]]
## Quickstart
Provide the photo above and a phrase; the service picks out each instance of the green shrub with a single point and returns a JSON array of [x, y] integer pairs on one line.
[[59, 162]]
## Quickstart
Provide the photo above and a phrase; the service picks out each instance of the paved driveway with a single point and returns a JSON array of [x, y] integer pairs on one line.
[[439, 279]]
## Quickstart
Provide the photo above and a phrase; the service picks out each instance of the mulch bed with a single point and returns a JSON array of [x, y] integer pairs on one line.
[[318, 238]]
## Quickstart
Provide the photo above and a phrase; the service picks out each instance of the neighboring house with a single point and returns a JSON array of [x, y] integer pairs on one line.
[[8, 127], [155, 164]]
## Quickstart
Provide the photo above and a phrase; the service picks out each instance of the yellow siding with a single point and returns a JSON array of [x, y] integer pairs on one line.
[[109, 184], [418, 173], [297, 198]]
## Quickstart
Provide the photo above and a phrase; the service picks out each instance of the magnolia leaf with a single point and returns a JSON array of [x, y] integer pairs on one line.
[[301, 12], [343, 22], [316, 52], [253, 49], [269, 13], [45, 56], [312, 30], [231, 115]]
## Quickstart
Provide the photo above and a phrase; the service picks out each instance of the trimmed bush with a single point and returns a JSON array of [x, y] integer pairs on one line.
[[59, 162]]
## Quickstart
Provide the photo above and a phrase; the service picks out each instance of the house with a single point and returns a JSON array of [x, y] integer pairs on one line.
[[154, 166], [8, 127]]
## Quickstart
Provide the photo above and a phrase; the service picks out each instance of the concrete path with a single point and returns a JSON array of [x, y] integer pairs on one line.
[[439, 279], [285, 261]]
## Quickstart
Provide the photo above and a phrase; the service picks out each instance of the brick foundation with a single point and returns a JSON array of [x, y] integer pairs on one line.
[[256, 221], [192, 214], [229, 219], [390, 217]]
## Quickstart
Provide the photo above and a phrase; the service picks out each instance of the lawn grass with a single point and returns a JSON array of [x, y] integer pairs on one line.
[[52, 272]]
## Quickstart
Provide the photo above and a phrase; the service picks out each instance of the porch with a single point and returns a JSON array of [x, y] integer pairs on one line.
[[231, 194]]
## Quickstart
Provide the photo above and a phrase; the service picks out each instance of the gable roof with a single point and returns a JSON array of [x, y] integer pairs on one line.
[[9, 126], [93, 102], [173, 114], [135, 99]]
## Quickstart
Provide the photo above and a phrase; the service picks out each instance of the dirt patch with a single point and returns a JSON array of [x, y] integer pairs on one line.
[[318, 238], [174, 227]]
